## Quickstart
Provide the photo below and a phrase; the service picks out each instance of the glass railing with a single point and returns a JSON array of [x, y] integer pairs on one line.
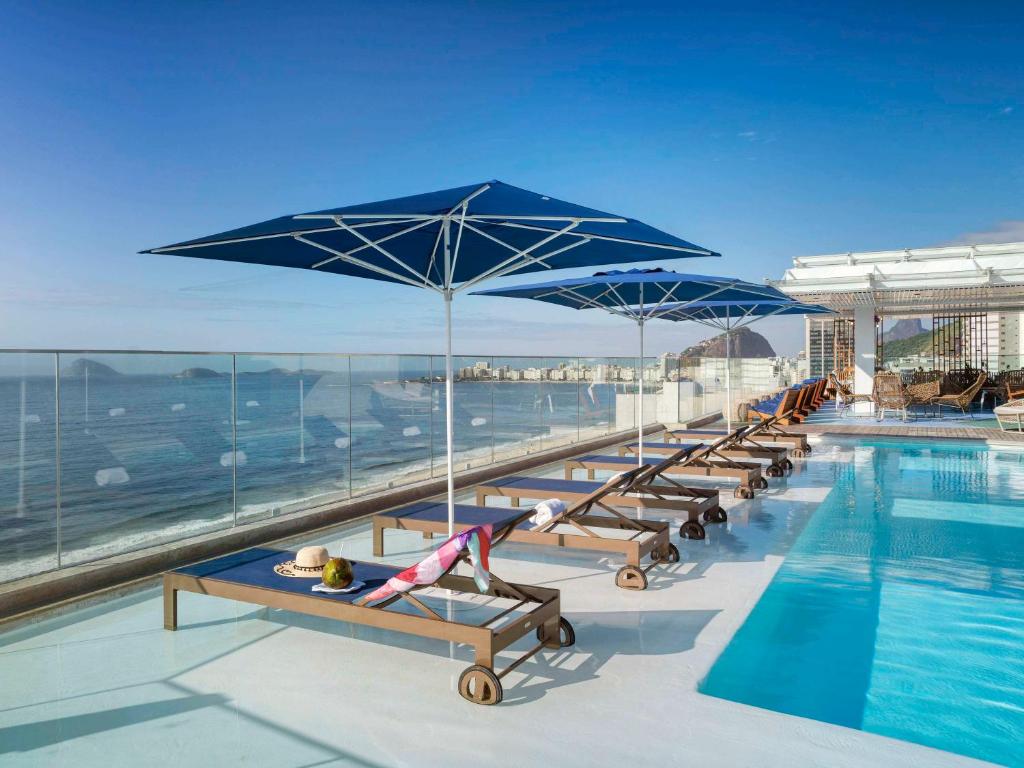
[[102, 453]]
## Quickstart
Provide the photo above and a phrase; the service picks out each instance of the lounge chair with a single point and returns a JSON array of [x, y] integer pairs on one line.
[[742, 443], [578, 527], [766, 431], [781, 408], [639, 492], [963, 400], [711, 461], [845, 397], [1010, 415], [248, 576]]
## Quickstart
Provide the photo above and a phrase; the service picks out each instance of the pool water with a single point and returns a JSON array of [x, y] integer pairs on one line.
[[900, 608]]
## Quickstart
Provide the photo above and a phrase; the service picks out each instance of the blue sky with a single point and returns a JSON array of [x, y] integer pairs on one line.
[[764, 131]]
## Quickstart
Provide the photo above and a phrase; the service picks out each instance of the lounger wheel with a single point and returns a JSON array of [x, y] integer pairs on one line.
[[787, 465], [671, 555], [760, 483], [631, 577], [716, 515], [800, 452], [743, 492], [773, 470], [480, 686], [691, 529], [566, 634]]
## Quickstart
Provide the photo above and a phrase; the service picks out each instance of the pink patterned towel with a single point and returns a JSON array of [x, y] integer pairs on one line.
[[477, 540]]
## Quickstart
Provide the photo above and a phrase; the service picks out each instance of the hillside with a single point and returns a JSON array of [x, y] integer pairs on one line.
[[743, 343], [79, 367]]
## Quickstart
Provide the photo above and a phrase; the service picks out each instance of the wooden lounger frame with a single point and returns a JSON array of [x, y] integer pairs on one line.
[[767, 431], [480, 683], [710, 462], [650, 537], [740, 445], [639, 493], [693, 527]]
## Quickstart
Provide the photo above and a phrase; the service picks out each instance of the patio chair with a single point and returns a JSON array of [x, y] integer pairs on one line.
[[580, 526], [1010, 415], [249, 576], [1012, 384], [709, 462], [766, 431], [845, 398], [888, 392], [963, 400]]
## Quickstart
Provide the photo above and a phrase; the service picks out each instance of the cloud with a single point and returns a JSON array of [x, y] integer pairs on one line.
[[748, 135], [1006, 110], [1010, 231]]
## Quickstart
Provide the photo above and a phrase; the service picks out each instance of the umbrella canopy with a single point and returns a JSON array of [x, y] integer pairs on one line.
[[442, 240], [639, 294], [730, 315], [446, 241]]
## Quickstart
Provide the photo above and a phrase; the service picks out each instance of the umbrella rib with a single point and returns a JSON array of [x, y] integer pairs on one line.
[[523, 254], [392, 236], [538, 260], [609, 238], [375, 245], [360, 263], [465, 201]]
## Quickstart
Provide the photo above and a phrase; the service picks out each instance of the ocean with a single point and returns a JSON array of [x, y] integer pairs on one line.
[[150, 458]]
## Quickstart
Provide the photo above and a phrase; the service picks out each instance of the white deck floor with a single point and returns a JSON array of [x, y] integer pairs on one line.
[[239, 685]]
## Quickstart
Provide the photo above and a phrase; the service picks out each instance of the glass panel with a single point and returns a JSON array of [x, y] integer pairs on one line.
[[292, 431], [473, 413], [559, 409], [391, 421], [596, 395], [622, 375], [145, 447], [517, 402], [28, 464]]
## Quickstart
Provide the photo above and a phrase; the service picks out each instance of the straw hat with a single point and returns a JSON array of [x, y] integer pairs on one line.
[[309, 563]]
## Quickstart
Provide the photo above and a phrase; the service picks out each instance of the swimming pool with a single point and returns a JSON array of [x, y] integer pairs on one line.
[[900, 608]]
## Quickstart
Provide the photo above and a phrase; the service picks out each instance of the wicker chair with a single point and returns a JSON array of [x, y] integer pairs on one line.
[[1012, 384], [844, 396], [963, 399], [924, 393], [888, 392], [1010, 416]]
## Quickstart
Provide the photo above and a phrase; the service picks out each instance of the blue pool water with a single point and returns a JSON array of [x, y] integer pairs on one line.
[[900, 609]]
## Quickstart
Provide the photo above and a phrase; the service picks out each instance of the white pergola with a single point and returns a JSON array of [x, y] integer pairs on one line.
[[979, 278]]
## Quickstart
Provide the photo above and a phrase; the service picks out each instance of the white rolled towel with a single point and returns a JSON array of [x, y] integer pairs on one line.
[[546, 510]]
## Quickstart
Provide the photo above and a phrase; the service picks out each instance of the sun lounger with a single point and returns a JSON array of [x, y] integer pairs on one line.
[[639, 493], [249, 577], [709, 462], [581, 526], [731, 445], [765, 431], [781, 408]]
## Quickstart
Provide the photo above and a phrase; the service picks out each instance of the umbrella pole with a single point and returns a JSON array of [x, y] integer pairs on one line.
[[728, 375], [448, 415], [640, 418]]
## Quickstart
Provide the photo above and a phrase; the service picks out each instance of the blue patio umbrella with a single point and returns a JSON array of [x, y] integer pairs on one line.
[[447, 241], [727, 316], [639, 295]]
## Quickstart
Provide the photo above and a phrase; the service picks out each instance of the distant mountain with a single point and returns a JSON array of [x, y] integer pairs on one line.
[[198, 373], [96, 370], [904, 329], [742, 343]]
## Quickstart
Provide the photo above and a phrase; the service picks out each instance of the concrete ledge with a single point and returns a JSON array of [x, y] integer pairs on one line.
[[55, 587]]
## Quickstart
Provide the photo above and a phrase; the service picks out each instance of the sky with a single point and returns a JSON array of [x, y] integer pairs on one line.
[[763, 131]]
